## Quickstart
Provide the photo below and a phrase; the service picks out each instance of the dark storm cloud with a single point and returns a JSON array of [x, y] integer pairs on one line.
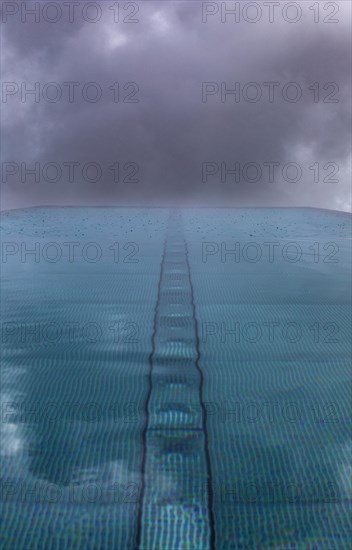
[[170, 145]]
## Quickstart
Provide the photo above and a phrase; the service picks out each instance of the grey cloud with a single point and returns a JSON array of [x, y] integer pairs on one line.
[[170, 132]]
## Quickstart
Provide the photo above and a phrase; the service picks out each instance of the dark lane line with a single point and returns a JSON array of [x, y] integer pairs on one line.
[[201, 401]]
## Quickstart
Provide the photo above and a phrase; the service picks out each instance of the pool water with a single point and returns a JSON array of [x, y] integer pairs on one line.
[[175, 378]]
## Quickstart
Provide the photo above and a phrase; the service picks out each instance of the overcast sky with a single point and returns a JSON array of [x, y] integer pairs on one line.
[[161, 135]]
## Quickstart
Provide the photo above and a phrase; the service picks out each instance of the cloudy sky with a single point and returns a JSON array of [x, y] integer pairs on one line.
[[176, 102]]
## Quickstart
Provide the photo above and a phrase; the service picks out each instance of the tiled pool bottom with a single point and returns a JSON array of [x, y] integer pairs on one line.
[[175, 379]]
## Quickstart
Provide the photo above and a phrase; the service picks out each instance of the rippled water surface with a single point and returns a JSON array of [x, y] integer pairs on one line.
[[175, 379]]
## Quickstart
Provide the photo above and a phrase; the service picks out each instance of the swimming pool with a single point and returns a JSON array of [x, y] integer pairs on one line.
[[176, 378]]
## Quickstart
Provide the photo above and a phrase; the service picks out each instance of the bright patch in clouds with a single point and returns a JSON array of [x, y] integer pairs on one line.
[[114, 38], [160, 22]]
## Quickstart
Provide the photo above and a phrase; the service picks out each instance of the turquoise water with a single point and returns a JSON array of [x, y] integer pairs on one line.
[[175, 379]]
